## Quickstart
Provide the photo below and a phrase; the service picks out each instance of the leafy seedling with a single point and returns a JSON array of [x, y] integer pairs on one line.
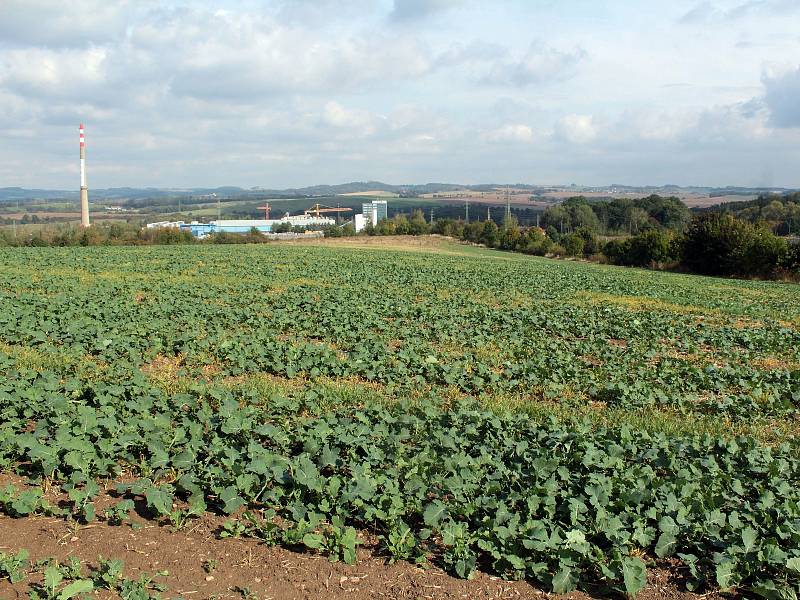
[[14, 566]]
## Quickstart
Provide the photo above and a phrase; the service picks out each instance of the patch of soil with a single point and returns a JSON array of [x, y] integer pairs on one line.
[[163, 366], [200, 565]]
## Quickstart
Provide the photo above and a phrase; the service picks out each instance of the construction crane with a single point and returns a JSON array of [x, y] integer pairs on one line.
[[265, 208], [318, 209]]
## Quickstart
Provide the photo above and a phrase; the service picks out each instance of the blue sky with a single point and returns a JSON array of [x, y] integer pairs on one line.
[[298, 92]]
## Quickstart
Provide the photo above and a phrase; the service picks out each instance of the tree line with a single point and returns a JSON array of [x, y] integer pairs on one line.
[[780, 213], [669, 237], [653, 232]]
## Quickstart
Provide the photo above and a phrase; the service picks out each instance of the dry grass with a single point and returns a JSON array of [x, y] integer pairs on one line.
[[640, 303], [773, 363], [409, 243]]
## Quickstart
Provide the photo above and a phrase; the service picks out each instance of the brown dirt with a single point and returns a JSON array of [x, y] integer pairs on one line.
[[268, 572]]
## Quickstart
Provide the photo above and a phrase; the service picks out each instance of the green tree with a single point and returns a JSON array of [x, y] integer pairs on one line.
[[417, 224], [636, 219], [583, 216], [557, 218], [654, 246], [489, 234], [573, 244], [721, 244], [591, 245]]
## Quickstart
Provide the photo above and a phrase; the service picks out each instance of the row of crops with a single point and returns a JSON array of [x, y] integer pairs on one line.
[[424, 465]]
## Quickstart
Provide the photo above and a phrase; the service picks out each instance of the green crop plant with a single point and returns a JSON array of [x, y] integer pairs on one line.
[[51, 587], [564, 423], [81, 495], [21, 503], [14, 566], [119, 512], [336, 540]]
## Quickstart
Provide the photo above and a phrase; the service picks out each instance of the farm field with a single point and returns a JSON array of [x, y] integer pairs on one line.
[[397, 419]]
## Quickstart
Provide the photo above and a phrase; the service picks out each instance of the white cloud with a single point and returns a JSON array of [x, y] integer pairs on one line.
[[412, 10], [63, 73], [782, 97], [576, 129], [235, 55], [59, 23], [539, 64], [709, 13], [292, 92], [357, 122], [511, 133]]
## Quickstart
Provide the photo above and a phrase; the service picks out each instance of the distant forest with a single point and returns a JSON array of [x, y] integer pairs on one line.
[[780, 213]]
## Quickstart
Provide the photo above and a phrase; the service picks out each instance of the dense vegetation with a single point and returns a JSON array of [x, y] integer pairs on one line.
[[665, 235], [779, 213], [615, 217], [563, 422], [652, 232]]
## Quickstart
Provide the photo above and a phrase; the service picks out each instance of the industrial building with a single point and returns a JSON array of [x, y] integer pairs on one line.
[[372, 212], [201, 230], [359, 222]]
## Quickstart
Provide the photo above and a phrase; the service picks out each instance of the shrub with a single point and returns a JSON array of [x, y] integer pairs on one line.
[[766, 253], [650, 247], [489, 234], [792, 260], [168, 235], [536, 242], [573, 244], [591, 245], [417, 224], [617, 250], [721, 244]]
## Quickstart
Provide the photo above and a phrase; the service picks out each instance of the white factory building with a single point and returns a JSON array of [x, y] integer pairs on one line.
[[201, 230], [371, 214]]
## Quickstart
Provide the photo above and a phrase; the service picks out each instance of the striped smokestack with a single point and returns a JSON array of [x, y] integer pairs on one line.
[[84, 188]]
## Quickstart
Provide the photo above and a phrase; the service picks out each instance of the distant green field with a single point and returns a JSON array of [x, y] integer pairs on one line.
[[564, 422]]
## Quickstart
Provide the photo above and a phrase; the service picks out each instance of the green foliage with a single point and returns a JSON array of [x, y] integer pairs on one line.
[[652, 247], [52, 589], [119, 512], [574, 244], [250, 524], [81, 496], [22, 503], [720, 244], [14, 566], [109, 576], [108, 573], [780, 213], [336, 540], [564, 503], [402, 544], [619, 216], [792, 260], [67, 580]]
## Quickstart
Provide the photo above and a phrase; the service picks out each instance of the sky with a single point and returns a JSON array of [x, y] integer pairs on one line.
[[289, 93]]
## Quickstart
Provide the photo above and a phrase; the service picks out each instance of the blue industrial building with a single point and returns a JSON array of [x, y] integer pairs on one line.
[[201, 230]]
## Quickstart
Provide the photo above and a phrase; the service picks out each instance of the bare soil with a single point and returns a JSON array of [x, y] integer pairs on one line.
[[199, 564]]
